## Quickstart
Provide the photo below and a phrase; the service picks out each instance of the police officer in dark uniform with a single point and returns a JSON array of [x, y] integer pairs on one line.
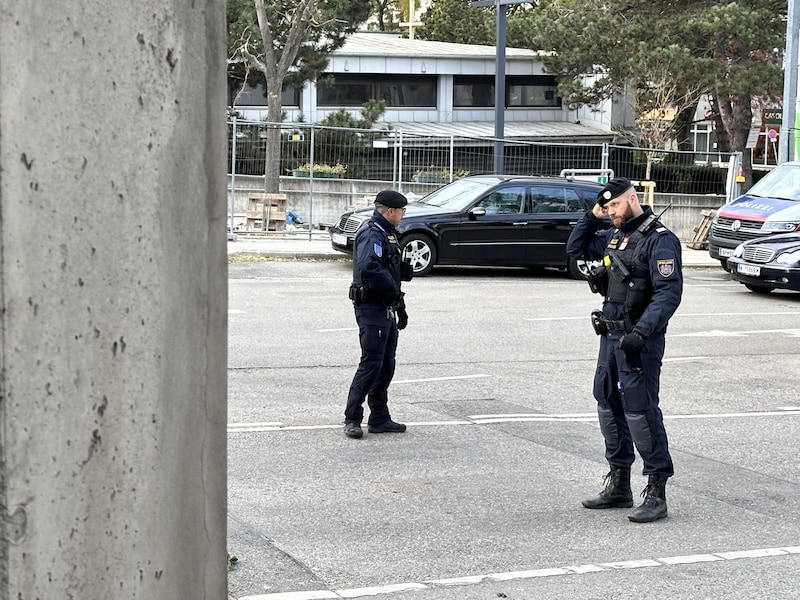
[[380, 313], [641, 281]]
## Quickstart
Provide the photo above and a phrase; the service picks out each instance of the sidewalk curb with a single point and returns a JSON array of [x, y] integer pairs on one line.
[[288, 255], [322, 256]]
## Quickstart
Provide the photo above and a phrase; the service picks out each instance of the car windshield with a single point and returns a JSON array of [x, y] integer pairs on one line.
[[782, 183], [458, 194]]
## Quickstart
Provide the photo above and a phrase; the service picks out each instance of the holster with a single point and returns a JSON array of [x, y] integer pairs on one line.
[[598, 280], [356, 294], [598, 324], [406, 271]]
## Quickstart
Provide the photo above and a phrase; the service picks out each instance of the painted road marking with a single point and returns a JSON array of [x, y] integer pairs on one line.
[[679, 314], [473, 376], [508, 418], [646, 563], [725, 333]]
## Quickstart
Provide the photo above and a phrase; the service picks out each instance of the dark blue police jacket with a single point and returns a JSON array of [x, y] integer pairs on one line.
[[657, 258], [376, 261]]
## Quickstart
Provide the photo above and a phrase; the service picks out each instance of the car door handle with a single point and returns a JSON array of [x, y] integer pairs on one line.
[[519, 223]]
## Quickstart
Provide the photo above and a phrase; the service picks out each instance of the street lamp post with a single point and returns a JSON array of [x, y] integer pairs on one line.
[[500, 75]]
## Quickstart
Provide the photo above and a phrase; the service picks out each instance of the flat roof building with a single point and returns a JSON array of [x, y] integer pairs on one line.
[[439, 89]]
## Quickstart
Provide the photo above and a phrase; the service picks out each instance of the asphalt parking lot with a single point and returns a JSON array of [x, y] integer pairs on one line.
[[481, 497]]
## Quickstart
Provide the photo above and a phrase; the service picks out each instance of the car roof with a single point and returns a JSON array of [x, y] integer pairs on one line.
[[527, 178]]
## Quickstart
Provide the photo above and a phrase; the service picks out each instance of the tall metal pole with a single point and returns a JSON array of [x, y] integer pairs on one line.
[[787, 149], [501, 7]]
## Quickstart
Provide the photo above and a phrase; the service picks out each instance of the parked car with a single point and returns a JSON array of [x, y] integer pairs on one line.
[[768, 263], [487, 220], [771, 206]]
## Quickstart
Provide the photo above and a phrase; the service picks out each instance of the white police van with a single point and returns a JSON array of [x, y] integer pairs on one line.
[[771, 206]]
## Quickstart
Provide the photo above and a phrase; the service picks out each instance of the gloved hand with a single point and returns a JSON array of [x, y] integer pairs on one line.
[[402, 318], [631, 343]]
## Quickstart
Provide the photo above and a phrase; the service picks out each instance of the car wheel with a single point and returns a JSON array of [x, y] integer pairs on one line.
[[420, 253], [724, 263], [759, 289], [579, 268]]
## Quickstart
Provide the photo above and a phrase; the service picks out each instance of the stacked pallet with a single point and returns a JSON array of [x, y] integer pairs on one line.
[[701, 231]]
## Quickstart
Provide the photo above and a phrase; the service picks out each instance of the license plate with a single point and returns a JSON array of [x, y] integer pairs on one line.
[[726, 251], [749, 270], [338, 238]]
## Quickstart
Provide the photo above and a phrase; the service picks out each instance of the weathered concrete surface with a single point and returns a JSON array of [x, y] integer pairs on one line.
[[113, 291]]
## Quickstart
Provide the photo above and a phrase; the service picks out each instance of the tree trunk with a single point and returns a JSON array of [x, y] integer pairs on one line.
[[683, 127], [272, 168], [737, 117]]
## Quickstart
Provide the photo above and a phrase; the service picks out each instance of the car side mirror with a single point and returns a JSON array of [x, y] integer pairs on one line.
[[475, 212]]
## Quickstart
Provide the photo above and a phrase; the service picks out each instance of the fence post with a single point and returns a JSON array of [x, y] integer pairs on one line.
[[311, 188], [400, 164], [233, 176], [732, 187], [452, 155]]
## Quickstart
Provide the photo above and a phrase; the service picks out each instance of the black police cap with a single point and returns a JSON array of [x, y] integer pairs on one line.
[[615, 187], [391, 199]]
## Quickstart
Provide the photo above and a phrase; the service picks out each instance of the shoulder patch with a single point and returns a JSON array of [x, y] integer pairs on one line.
[[666, 266], [377, 249]]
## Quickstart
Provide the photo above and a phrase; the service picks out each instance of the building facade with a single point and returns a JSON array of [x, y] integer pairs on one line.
[[439, 89]]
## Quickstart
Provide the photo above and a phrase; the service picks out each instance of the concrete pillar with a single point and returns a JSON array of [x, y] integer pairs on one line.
[[113, 300]]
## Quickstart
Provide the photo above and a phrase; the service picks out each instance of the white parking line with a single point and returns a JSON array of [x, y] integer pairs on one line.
[[508, 418], [680, 315], [726, 333], [672, 561], [473, 376]]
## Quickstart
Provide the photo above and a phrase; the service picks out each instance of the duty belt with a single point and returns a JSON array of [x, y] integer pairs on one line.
[[603, 325], [618, 325]]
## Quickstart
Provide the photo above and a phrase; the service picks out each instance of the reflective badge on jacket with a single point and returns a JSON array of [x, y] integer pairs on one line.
[[378, 250], [666, 266]]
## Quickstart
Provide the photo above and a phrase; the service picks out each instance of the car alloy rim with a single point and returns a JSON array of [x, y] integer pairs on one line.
[[418, 254]]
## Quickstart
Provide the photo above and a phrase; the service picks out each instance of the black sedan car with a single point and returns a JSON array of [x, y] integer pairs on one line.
[[767, 263], [488, 220]]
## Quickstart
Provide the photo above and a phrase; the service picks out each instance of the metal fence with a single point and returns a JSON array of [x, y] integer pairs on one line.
[[311, 156]]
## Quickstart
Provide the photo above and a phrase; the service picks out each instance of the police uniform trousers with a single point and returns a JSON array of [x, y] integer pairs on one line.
[[377, 333], [627, 405]]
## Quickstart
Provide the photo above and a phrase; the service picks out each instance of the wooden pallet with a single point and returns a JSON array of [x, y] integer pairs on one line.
[[701, 231]]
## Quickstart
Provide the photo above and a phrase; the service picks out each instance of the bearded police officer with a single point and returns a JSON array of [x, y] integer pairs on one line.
[[380, 313], [641, 281]]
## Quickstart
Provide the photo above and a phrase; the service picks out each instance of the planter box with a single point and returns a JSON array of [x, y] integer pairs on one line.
[[429, 179], [317, 174]]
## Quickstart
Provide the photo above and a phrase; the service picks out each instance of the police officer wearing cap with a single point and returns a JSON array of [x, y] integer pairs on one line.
[[641, 281], [380, 313]]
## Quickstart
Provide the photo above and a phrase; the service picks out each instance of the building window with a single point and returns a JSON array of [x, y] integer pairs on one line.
[[533, 91], [521, 91], [255, 95], [471, 92], [398, 92]]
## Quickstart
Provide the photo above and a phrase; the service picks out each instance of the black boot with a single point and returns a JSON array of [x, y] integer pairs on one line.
[[616, 494], [654, 506]]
